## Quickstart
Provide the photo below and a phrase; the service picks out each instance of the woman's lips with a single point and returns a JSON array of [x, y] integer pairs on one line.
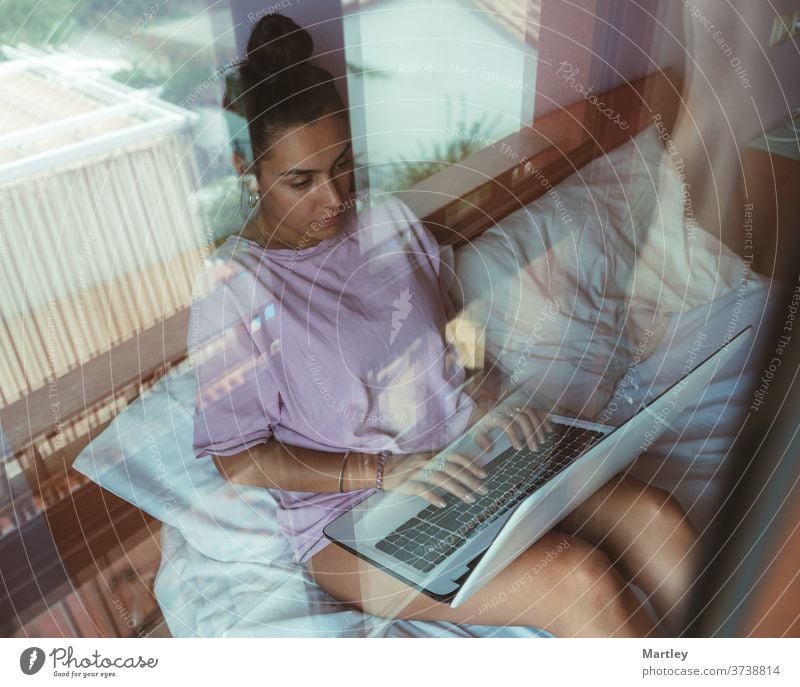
[[330, 221]]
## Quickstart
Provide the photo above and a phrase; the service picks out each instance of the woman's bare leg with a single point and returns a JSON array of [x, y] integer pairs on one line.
[[561, 584], [645, 532]]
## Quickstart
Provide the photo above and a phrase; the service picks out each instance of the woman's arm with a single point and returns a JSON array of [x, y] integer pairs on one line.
[[293, 468]]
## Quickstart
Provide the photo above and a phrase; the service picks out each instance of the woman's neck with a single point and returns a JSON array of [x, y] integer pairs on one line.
[[255, 231]]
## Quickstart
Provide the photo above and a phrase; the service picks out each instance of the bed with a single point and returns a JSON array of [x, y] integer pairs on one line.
[[595, 296]]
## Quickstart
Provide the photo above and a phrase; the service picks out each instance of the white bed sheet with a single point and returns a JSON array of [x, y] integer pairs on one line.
[[203, 597]]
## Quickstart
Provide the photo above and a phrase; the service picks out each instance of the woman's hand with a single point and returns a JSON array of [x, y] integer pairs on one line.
[[519, 424], [418, 475]]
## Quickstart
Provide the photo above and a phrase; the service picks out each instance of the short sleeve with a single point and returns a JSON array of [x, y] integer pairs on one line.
[[236, 400], [436, 253]]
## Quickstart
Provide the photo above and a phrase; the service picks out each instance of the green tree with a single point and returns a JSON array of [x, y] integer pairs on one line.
[[35, 22], [406, 173]]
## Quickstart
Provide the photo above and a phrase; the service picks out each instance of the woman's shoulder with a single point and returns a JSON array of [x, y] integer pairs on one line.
[[215, 267], [381, 200], [232, 267], [388, 206], [228, 290], [399, 222]]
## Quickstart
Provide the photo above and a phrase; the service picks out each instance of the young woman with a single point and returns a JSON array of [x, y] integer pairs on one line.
[[324, 374]]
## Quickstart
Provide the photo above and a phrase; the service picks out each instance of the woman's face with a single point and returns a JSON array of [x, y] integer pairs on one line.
[[306, 180]]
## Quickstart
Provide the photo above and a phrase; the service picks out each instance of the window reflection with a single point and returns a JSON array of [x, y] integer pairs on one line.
[[115, 183], [114, 175], [437, 81]]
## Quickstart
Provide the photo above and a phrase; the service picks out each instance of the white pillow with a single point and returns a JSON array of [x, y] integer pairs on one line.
[[571, 287], [145, 457]]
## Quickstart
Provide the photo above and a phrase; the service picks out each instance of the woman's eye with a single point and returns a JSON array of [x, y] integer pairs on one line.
[[301, 184], [345, 162]]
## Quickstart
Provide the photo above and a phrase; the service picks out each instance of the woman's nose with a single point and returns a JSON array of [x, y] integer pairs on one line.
[[330, 196]]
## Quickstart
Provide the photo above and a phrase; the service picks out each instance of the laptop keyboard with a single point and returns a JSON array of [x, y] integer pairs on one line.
[[429, 537]]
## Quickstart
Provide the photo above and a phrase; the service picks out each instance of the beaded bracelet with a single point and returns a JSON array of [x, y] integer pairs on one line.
[[341, 471], [381, 464]]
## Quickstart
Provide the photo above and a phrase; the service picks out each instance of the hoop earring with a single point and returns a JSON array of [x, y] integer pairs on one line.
[[249, 203]]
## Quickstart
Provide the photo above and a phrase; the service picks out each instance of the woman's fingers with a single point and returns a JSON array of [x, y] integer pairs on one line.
[[541, 423], [518, 430], [427, 493], [458, 475], [528, 425], [463, 476], [534, 425], [444, 481], [467, 463], [480, 433], [483, 440], [482, 437], [510, 426]]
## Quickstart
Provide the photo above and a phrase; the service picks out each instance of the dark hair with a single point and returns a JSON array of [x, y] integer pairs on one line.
[[281, 88]]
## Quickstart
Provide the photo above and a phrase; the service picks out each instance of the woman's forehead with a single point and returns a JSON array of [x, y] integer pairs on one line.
[[306, 147]]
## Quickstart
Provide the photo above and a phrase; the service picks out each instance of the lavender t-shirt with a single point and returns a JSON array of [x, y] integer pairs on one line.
[[339, 346]]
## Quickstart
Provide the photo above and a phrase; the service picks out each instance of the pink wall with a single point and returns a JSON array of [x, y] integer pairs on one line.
[[611, 42], [767, 86], [567, 35], [735, 87]]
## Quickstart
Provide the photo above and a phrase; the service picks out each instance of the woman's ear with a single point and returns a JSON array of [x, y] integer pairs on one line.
[[239, 163]]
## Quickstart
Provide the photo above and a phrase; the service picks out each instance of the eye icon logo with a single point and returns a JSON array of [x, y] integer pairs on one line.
[[31, 660]]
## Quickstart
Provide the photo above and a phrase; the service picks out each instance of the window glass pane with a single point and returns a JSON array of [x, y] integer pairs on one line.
[[437, 81], [115, 181]]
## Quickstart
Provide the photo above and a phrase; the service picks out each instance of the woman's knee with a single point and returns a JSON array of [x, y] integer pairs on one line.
[[659, 503], [378, 594], [652, 501], [585, 569]]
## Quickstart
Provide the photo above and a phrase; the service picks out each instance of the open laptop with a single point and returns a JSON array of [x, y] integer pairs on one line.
[[449, 553]]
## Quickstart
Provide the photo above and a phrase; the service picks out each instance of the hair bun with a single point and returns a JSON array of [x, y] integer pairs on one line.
[[277, 44]]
